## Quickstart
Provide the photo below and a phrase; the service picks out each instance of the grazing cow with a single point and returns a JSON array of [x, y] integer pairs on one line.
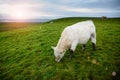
[[73, 35]]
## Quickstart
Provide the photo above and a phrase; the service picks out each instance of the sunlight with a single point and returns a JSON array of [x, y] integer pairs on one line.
[[19, 12]]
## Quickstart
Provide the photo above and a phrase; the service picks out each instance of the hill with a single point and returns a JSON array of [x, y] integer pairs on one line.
[[24, 20], [26, 54]]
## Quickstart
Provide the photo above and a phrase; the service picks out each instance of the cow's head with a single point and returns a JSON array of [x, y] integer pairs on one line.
[[58, 54]]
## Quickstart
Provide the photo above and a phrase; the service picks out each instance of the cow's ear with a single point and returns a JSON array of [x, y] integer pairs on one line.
[[53, 47]]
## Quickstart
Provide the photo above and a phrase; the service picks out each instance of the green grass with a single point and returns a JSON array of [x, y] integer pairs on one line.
[[26, 54]]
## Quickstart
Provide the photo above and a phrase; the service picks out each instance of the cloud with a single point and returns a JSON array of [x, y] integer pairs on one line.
[[88, 10], [31, 9], [61, 8]]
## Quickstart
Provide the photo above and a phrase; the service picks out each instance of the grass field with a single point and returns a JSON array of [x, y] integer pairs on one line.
[[26, 54]]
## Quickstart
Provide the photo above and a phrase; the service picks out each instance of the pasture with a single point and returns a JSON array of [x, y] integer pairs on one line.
[[26, 54]]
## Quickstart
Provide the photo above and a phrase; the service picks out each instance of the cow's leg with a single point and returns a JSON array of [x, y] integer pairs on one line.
[[72, 49], [94, 46], [71, 53], [83, 47], [93, 40]]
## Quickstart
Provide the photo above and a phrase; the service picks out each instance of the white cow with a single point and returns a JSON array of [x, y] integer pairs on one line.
[[73, 35]]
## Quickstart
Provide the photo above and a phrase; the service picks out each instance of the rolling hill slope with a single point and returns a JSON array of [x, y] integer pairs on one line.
[[26, 54]]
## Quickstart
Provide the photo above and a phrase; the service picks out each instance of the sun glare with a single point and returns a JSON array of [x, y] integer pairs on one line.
[[19, 12]]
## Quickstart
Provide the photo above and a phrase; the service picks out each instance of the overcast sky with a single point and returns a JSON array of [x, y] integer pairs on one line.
[[37, 9]]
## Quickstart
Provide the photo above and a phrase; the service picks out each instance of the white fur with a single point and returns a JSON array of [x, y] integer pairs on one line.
[[73, 35]]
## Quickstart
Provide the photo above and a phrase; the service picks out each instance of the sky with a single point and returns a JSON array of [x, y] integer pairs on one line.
[[47, 9]]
